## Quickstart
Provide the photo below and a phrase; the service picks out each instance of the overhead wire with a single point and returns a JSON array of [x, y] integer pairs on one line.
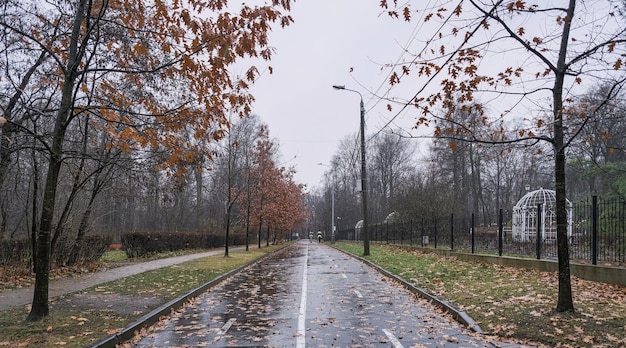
[[384, 82], [411, 100], [416, 29], [436, 32], [405, 49]]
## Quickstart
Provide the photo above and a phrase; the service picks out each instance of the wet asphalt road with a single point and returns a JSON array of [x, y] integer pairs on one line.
[[309, 295]]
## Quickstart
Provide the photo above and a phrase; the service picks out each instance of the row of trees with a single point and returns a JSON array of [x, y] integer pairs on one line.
[[465, 177], [124, 116], [513, 94]]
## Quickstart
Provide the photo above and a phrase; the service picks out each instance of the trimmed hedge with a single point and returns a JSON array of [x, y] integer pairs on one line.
[[138, 244], [14, 251], [135, 244], [92, 248], [18, 251]]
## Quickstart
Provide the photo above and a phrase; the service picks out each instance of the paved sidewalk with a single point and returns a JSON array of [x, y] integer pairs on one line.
[[24, 296]]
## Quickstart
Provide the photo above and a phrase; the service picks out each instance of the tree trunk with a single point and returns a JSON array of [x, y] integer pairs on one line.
[[82, 228], [565, 302], [199, 184], [40, 307], [248, 209], [35, 209], [228, 210], [260, 229]]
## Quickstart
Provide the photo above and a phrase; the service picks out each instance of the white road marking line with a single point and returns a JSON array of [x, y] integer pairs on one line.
[[393, 339], [343, 275], [358, 294], [300, 335], [227, 326]]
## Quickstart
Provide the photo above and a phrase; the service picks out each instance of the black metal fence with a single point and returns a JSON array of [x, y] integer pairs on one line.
[[597, 233]]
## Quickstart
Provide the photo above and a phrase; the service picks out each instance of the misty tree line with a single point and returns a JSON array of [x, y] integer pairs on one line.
[[468, 177], [120, 119], [106, 190]]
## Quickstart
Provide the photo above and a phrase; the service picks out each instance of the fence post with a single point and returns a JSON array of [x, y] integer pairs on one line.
[[500, 230], [387, 231], [452, 231], [374, 235], [436, 233], [473, 240], [422, 233], [379, 239], [539, 226], [594, 230]]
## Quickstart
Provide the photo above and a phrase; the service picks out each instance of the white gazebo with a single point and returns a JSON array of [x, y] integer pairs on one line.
[[357, 229], [525, 216], [393, 217]]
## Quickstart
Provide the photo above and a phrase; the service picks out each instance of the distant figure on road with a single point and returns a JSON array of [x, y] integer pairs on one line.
[[319, 236], [310, 236]]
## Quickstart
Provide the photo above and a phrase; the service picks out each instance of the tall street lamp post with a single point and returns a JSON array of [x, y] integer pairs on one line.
[[366, 236], [332, 203]]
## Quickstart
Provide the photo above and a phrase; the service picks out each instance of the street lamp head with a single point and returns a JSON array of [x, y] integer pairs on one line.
[[339, 87]]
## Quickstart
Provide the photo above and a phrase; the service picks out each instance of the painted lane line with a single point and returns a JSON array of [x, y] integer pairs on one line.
[[358, 294], [393, 339], [300, 335], [227, 326]]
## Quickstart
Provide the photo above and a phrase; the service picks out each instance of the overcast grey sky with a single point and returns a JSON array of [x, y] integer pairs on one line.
[[328, 39]]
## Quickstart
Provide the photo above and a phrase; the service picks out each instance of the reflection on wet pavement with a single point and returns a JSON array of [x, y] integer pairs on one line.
[[347, 305], [246, 310]]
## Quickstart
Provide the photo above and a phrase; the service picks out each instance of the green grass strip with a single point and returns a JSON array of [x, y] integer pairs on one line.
[[512, 303]]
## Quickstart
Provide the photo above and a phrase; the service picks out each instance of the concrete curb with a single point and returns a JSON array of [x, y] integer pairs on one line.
[[151, 318], [456, 313]]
